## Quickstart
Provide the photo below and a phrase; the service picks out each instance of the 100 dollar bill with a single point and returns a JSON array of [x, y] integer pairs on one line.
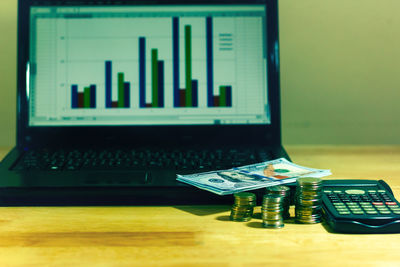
[[265, 174]]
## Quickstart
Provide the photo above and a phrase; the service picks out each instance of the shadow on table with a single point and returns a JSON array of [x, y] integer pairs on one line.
[[204, 210], [258, 223], [224, 218], [328, 228], [291, 220]]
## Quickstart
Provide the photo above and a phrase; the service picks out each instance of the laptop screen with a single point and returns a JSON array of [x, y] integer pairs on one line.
[[148, 65]]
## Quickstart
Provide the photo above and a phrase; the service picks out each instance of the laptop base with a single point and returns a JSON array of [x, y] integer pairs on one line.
[[104, 188]]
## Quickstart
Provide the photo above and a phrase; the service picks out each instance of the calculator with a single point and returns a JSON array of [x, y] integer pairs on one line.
[[360, 207]]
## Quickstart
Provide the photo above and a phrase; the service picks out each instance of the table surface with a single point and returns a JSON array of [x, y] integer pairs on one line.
[[201, 235]]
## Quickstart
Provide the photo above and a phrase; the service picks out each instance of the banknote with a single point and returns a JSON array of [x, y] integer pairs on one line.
[[282, 169], [249, 177]]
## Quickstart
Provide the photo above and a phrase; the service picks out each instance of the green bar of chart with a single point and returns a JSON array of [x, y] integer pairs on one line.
[[154, 77], [188, 61], [86, 97], [222, 96], [121, 90]]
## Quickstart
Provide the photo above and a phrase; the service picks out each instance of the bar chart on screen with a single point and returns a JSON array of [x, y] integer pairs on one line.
[[152, 64], [166, 58]]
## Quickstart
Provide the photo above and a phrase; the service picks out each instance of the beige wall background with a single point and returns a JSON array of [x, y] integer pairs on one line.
[[340, 71]]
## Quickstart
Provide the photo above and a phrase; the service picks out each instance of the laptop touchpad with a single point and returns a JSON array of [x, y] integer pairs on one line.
[[117, 178]]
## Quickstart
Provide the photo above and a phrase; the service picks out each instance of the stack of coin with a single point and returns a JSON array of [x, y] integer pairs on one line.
[[283, 191], [308, 200], [242, 209], [271, 211]]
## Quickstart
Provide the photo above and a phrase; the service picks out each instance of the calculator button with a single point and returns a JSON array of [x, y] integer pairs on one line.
[[382, 208], [391, 203], [384, 212], [371, 212], [358, 212], [355, 209], [340, 210], [339, 204], [371, 191], [328, 191], [377, 203], [367, 206], [381, 191], [353, 206], [396, 211], [366, 209], [344, 212]]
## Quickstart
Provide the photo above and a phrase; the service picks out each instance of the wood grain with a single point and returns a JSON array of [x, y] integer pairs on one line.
[[201, 235], [90, 239]]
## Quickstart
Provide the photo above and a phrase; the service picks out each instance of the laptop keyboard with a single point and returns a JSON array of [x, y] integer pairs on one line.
[[143, 159]]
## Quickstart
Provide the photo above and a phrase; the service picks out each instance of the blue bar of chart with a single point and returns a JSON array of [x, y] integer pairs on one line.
[[175, 59], [142, 72], [210, 66], [108, 83]]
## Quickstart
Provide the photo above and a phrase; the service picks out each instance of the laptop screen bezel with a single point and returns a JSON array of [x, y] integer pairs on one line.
[[263, 134]]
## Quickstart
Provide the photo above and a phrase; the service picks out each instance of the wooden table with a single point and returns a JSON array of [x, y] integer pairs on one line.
[[201, 235]]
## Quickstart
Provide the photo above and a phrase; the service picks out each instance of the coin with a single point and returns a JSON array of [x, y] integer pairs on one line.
[[308, 200], [272, 210], [243, 207], [284, 191], [273, 224], [309, 181]]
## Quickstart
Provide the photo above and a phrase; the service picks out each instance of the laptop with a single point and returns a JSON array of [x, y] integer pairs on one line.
[[115, 98]]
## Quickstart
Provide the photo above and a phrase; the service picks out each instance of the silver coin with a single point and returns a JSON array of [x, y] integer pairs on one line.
[[277, 224], [309, 181]]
